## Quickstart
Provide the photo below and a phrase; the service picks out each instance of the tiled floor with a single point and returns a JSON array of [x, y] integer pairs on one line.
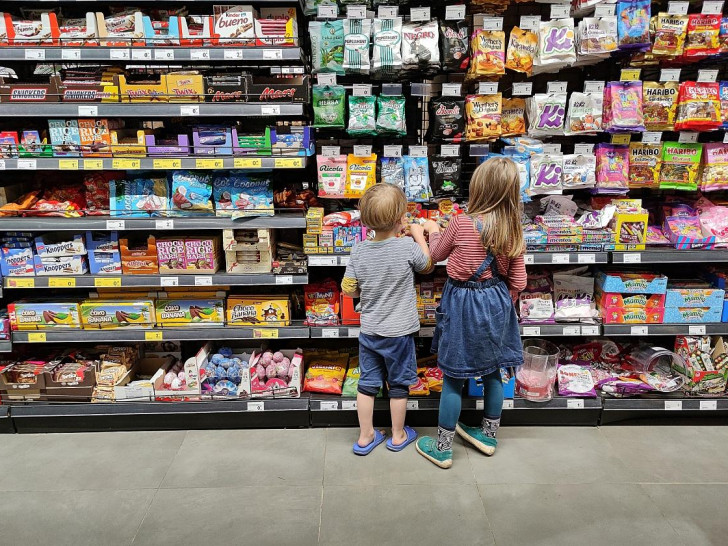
[[560, 486]]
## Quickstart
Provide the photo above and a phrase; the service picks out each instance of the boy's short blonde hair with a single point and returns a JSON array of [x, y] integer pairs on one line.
[[382, 207]]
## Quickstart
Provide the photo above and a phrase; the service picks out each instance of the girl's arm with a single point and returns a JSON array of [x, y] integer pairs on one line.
[[442, 244], [516, 275]]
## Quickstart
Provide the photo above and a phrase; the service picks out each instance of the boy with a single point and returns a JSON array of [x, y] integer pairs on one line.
[[381, 274]]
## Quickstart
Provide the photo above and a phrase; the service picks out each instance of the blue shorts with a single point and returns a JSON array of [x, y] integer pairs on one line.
[[390, 358]]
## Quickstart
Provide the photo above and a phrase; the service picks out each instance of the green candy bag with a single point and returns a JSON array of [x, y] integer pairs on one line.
[[362, 118], [391, 117], [328, 106], [327, 46]]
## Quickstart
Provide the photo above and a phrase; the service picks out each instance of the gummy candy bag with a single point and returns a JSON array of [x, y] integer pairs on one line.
[[386, 47], [633, 23], [483, 113], [698, 107], [321, 301], [392, 171], [488, 53], [715, 168], [579, 171], [556, 42], [585, 113], [612, 169], [361, 116], [659, 105], [546, 170], [546, 114], [191, 193], [417, 179], [623, 106], [522, 48], [362, 172], [703, 35], [723, 36], [455, 44], [680, 164], [446, 173], [513, 117], [327, 46], [357, 33], [645, 161], [391, 117], [328, 106], [670, 32], [331, 176]]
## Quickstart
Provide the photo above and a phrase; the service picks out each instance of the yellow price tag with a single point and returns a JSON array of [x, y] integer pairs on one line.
[[621, 138], [36, 337], [122, 164], [108, 282], [61, 282], [10, 282], [209, 163], [93, 164], [248, 163], [265, 333], [167, 163], [68, 164], [153, 336], [630, 74], [288, 163]]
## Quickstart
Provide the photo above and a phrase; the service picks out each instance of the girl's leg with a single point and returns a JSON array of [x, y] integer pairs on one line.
[[492, 403], [450, 405]]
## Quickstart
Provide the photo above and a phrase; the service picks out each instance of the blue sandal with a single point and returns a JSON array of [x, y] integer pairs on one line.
[[411, 437], [379, 437]]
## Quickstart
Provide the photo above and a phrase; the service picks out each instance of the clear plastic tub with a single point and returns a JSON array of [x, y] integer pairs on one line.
[[535, 380]]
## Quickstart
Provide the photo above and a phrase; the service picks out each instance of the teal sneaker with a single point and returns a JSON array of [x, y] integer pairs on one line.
[[476, 437], [427, 447]]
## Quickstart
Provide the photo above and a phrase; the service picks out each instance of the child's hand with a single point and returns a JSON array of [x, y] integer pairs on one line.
[[416, 230], [431, 227]]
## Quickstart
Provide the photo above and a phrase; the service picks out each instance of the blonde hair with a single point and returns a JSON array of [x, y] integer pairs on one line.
[[495, 201], [382, 207]]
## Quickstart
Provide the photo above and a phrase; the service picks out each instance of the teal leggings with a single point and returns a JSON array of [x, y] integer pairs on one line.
[[452, 397]]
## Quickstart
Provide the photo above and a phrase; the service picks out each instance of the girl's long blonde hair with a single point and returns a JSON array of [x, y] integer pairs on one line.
[[495, 201]]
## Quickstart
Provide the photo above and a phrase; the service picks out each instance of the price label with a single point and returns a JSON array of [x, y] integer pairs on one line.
[[590, 330], [270, 110], [707, 76], [344, 260], [629, 74], [651, 137], [709, 405], [329, 332], [35, 54], [450, 150], [164, 54], [427, 332], [265, 333], [353, 332], [362, 90], [393, 151], [232, 54], [61, 282], [639, 331], [632, 258], [2, 165], [584, 148], [70, 54], [327, 11], [487, 88], [621, 138], [272, 54], [248, 163], [586, 258], [479, 405], [571, 331], [528, 259], [319, 261], [209, 163], [454, 13], [725, 138], [331, 151], [530, 22], [560, 11], [119, 54], [697, 330], [673, 405], [88, 110], [712, 8], [492, 23], [256, 406], [189, 110], [507, 404], [670, 75], [164, 224], [123, 164], [203, 280], [153, 336], [107, 282], [20, 283], [200, 54], [413, 404], [141, 54], [326, 78], [169, 281], [531, 331], [387, 12], [328, 405], [677, 8], [288, 163], [358, 11], [27, 164], [167, 164], [284, 279], [451, 89], [594, 87], [687, 137], [418, 151], [419, 14], [551, 148], [93, 164], [522, 89], [113, 225], [574, 403], [559, 258], [362, 150], [604, 10], [68, 164], [36, 337], [556, 87], [348, 405]]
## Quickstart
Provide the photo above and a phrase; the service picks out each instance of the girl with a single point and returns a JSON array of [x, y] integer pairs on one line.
[[477, 328]]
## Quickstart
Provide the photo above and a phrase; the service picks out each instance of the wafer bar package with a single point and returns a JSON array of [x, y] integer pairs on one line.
[[234, 25]]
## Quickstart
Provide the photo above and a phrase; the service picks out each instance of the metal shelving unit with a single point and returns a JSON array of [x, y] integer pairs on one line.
[[551, 330], [152, 281], [328, 260], [670, 256], [669, 408], [6, 423], [158, 53], [151, 110], [152, 163], [557, 258], [714, 328]]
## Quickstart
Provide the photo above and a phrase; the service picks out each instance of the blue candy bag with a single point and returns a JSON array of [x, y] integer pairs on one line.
[[139, 197], [417, 179], [392, 171], [191, 193], [633, 24], [239, 194]]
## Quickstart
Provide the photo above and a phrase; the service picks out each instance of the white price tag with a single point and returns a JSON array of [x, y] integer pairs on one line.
[[528, 259], [141, 54], [326, 78], [169, 281], [451, 89], [361, 150], [328, 405], [530, 22], [487, 88], [27, 164], [651, 137], [70, 54], [119, 54], [427, 332], [344, 260], [232, 54], [551, 148], [560, 11], [492, 23], [418, 151], [584, 148], [164, 224], [2, 165], [480, 404], [419, 14], [164, 54], [508, 403], [707, 76], [413, 405], [639, 331], [632, 258], [687, 137], [673, 405], [709, 405], [696, 330], [348, 405], [330, 151], [88, 111], [571, 331], [604, 10], [358, 11], [574, 403], [586, 258], [531, 331], [35, 54], [725, 138], [256, 406], [272, 54], [353, 332], [556, 87], [670, 75], [393, 151], [362, 90], [522, 89], [450, 150], [329, 11], [590, 330], [114, 225], [329, 332], [203, 280], [270, 110], [189, 110], [200, 54], [594, 87], [559, 258], [321, 261], [284, 279], [712, 8], [677, 8], [387, 12], [454, 13]]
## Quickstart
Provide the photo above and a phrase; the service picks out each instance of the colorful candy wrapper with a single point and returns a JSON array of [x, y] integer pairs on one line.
[[715, 167], [446, 173], [522, 48], [328, 106], [612, 169], [585, 113], [546, 114], [680, 164], [723, 36], [670, 32], [362, 174], [357, 37], [513, 117], [454, 40], [698, 107], [523, 163], [327, 46], [703, 35], [362, 118], [546, 170], [659, 105], [597, 36], [447, 120], [724, 103], [623, 106], [392, 171], [191, 193], [240, 194], [484, 113], [420, 51], [331, 176], [488, 54], [387, 47], [417, 179], [633, 23], [579, 171], [391, 118], [139, 197], [644, 165], [556, 42]]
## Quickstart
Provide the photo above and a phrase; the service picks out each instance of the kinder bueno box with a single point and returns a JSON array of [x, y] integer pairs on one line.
[[30, 92], [286, 88], [233, 25]]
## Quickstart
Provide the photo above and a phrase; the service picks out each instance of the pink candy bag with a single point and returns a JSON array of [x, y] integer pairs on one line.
[[612, 169]]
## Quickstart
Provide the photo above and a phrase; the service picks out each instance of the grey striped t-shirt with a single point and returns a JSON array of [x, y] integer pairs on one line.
[[384, 271]]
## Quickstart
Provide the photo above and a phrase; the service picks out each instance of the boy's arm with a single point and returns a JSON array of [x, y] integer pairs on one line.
[[421, 260], [350, 284]]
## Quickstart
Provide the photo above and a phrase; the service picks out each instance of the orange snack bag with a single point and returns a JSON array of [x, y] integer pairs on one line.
[[513, 120], [483, 113], [488, 54], [522, 47]]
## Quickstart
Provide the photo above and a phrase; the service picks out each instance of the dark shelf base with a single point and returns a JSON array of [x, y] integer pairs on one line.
[[6, 423]]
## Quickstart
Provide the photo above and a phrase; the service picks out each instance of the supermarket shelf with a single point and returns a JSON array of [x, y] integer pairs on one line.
[[335, 332], [194, 333], [6, 423], [326, 260], [153, 163], [6, 346], [152, 281], [671, 410], [714, 328], [152, 110], [541, 330], [105, 223], [212, 414], [150, 54], [556, 258], [668, 256]]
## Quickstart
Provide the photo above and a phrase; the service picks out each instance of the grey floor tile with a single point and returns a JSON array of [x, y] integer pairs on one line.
[[549, 455], [672, 454], [382, 467], [99, 460], [259, 516], [404, 514], [74, 518], [232, 458], [563, 515], [696, 512]]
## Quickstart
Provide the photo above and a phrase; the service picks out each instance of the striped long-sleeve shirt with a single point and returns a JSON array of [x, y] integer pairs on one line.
[[460, 245]]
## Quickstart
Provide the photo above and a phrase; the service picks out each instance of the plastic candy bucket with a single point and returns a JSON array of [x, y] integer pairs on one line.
[[535, 380]]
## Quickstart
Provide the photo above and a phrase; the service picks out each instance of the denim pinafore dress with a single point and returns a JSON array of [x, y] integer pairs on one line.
[[477, 327]]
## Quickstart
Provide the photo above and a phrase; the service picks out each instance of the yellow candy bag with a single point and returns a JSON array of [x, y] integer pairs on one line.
[[483, 113], [361, 175], [488, 54], [513, 120], [522, 47], [670, 32]]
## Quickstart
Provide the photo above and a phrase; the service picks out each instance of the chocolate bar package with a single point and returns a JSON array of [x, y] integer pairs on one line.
[[278, 89], [226, 88]]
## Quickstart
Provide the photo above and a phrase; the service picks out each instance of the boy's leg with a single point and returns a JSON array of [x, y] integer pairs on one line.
[[365, 412], [371, 366], [398, 409], [401, 361]]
